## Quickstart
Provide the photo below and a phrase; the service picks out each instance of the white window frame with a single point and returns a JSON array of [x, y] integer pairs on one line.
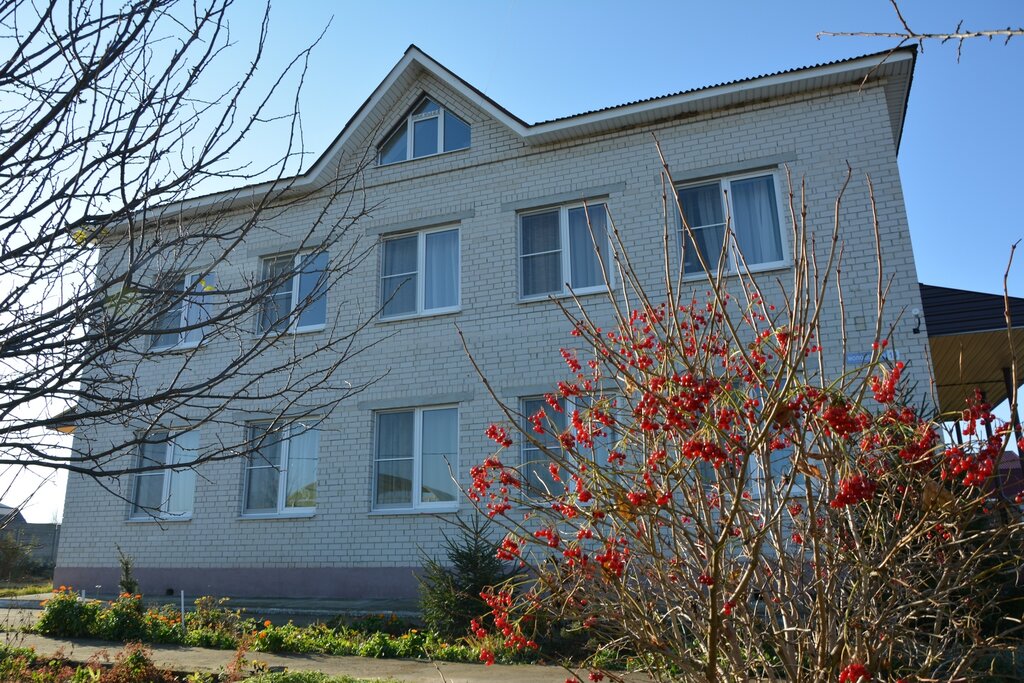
[[185, 306], [293, 326], [420, 275], [416, 505], [565, 249], [410, 131], [725, 195], [284, 434], [170, 445]]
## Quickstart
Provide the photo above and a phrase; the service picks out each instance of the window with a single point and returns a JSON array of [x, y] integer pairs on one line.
[[556, 248], [415, 449], [280, 473], [420, 273], [167, 493], [180, 324], [428, 130], [781, 473], [298, 303], [536, 463], [750, 202]]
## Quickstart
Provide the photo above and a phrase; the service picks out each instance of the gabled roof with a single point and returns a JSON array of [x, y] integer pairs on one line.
[[970, 343], [894, 69], [959, 311]]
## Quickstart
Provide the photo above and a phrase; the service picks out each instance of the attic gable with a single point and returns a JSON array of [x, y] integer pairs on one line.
[[416, 76]]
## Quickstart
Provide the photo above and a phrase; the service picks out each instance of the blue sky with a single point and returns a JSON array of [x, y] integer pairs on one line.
[[961, 155]]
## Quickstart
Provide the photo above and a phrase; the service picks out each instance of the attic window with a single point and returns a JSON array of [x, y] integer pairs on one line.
[[430, 129]]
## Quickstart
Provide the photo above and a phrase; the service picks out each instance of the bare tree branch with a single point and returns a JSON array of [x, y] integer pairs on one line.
[[909, 35], [120, 310]]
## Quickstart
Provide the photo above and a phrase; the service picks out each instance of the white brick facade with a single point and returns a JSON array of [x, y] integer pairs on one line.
[[346, 548]]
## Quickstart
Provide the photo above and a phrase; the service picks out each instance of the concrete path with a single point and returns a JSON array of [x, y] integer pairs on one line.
[[199, 659]]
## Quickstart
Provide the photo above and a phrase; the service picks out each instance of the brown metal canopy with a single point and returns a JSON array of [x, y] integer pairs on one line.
[[969, 343]]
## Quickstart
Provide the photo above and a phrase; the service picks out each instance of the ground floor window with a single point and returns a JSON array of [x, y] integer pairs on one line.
[[280, 472], [165, 493], [415, 457]]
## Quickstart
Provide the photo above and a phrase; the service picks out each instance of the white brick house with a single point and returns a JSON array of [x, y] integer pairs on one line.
[[480, 211]]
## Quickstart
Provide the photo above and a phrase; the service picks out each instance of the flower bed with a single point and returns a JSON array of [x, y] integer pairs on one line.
[[213, 625]]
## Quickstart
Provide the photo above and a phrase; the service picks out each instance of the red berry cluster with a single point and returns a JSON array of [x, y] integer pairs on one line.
[[853, 490]]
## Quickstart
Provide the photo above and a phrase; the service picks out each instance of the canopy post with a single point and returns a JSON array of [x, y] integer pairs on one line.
[[1011, 397]]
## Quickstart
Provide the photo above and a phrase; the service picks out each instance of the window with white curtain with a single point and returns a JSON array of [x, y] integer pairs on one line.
[[417, 450], [180, 325], [298, 302], [557, 250], [280, 472], [430, 129], [751, 204], [536, 463], [536, 470], [167, 493], [420, 273]]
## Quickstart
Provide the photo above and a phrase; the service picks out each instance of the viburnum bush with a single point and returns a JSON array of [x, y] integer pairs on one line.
[[717, 497]]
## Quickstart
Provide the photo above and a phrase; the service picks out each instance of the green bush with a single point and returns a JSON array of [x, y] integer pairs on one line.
[[133, 665], [391, 624], [122, 620], [450, 592], [211, 638], [163, 625], [213, 625], [65, 616], [128, 584]]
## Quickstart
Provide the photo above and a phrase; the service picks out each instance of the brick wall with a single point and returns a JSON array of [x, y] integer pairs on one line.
[[516, 343]]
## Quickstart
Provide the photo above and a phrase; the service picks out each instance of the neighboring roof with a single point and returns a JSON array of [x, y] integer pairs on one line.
[[969, 342], [10, 515], [893, 68], [960, 311]]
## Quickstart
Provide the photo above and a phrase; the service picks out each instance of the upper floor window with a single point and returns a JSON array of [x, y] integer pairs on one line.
[[180, 326], [280, 473], [417, 451], [750, 202], [429, 129], [420, 273], [166, 493], [556, 249], [298, 303]]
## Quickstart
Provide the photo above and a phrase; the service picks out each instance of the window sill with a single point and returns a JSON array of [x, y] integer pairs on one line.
[[589, 291], [435, 155], [419, 316], [177, 348], [398, 512], [277, 515], [158, 520], [291, 331], [761, 268]]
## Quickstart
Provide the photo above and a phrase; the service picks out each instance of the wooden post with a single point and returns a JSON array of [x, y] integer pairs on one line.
[[1011, 395], [988, 425]]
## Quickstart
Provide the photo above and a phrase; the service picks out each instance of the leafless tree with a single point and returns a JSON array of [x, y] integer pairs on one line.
[[122, 305], [959, 34]]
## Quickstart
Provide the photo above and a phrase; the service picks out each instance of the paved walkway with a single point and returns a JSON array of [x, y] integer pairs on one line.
[[200, 659]]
